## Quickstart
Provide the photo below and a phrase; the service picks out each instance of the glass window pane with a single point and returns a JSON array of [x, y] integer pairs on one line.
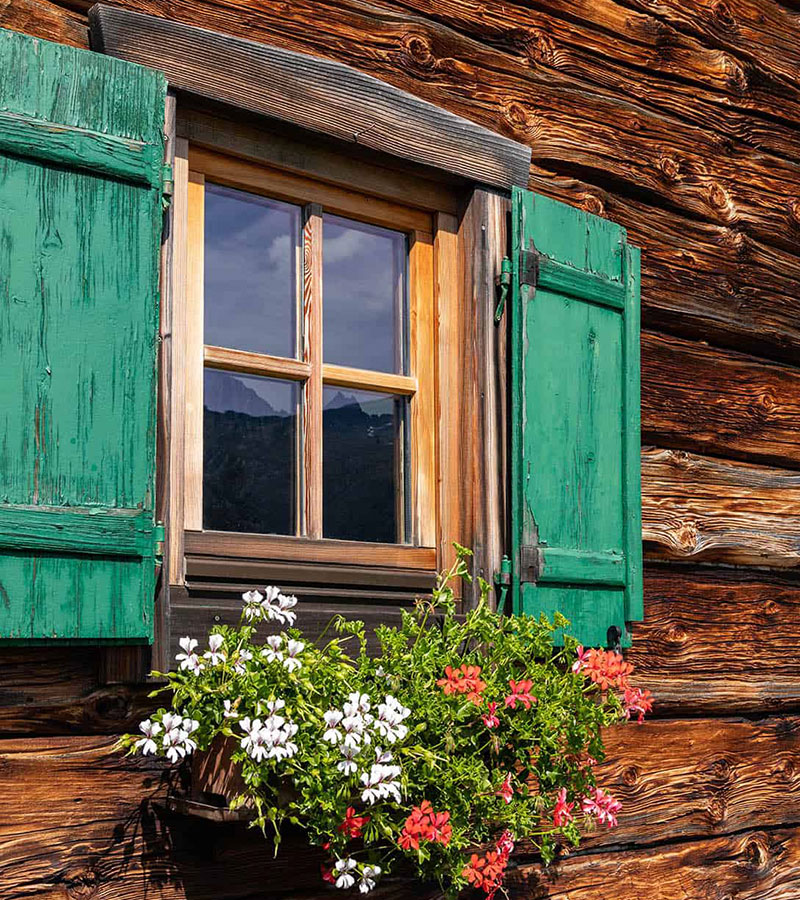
[[249, 453], [364, 449], [252, 253], [364, 295]]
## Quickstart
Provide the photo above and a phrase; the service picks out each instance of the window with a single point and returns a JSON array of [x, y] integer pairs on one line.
[[310, 361]]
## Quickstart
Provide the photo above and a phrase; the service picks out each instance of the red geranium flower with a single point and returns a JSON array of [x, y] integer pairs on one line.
[[490, 719], [638, 702], [520, 691], [353, 824], [424, 824], [487, 872], [463, 680], [506, 791], [562, 814], [605, 668]]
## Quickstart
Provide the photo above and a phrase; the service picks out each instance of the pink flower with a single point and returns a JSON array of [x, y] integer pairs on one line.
[[582, 661], [637, 702], [602, 806], [520, 691], [562, 814], [490, 719], [506, 791]]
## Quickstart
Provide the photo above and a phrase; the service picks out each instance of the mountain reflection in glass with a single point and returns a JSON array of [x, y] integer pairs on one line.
[[364, 481], [251, 262], [364, 295], [249, 453]]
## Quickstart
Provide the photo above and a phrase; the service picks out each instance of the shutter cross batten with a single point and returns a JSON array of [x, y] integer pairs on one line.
[[575, 441]]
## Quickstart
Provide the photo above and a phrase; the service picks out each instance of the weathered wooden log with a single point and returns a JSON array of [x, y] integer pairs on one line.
[[656, 64], [696, 397], [699, 508], [718, 640], [44, 19], [754, 865]]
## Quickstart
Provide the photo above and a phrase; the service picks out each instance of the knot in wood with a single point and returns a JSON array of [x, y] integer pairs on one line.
[[723, 15], [418, 51], [720, 770], [687, 535], [670, 168], [735, 75], [720, 201], [717, 810], [81, 885], [771, 609], [676, 634], [794, 209], [540, 48], [593, 204], [517, 116], [756, 851], [630, 776]]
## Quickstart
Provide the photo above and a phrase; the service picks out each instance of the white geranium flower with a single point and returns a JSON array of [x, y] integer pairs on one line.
[[369, 878], [272, 650], [269, 604], [255, 738], [293, 650], [189, 659], [146, 744], [252, 605], [383, 756], [388, 722], [228, 711], [380, 783], [286, 605], [343, 872], [274, 705], [348, 766], [332, 718], [171, 722], [243, 657], [215, 655], [360, 701]]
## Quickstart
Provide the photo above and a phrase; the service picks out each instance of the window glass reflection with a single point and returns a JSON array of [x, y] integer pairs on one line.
[[249, 453], [364, 295], [251, 271], [364, 489]]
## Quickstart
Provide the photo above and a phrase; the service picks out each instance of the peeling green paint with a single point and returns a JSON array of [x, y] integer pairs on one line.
[[576, 494], [81, 152]]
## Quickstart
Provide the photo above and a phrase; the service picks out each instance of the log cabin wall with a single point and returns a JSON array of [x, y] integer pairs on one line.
[[678, 120]]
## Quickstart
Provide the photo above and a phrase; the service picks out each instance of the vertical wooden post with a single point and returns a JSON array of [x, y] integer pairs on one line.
[[310, 474]]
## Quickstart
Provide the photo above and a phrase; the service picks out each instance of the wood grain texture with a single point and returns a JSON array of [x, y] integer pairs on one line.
[[754, 865], [701, 508], [311, 481], [255, 363], [682, 778], [709, 273], [194, 352], [718, 640], [43, 19], [479, 401], [701, 398], [177, 345], [677, 163], [321, 95]]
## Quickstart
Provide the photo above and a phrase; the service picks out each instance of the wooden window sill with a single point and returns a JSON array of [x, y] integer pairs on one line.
[[306, 550]]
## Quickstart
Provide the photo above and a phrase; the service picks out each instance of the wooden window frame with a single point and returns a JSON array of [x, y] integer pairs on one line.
[[433, 270]]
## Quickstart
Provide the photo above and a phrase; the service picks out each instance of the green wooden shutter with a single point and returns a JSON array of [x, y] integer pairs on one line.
[[575, 442], [81, 154]]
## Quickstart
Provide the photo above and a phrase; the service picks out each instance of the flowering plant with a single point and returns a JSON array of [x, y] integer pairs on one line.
[[459, 738]]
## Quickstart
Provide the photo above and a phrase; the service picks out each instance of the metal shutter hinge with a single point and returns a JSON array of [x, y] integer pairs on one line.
[[503, 283], [167, 185]]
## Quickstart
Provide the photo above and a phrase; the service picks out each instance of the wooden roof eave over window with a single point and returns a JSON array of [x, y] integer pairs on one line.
[[312, 93]]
